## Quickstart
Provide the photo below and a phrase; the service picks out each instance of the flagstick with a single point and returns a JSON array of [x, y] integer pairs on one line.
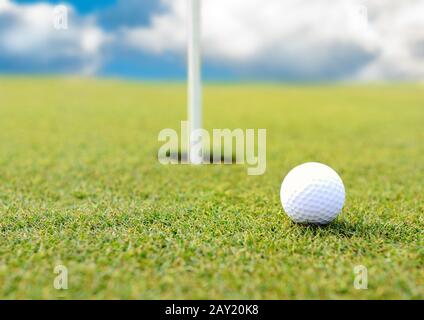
[[194, 74]]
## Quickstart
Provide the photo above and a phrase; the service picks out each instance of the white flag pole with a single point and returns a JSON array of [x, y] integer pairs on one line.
[[194, 75]]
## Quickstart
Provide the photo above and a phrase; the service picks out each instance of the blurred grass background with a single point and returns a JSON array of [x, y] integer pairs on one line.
[[80, 185]]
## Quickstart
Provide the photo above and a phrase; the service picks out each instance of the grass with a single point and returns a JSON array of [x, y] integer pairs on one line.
[[80, 186]]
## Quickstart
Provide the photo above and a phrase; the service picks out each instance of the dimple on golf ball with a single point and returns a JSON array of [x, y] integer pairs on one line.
[[312, 193]]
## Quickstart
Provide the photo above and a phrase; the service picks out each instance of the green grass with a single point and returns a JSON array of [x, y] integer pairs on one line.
[[80, 185]]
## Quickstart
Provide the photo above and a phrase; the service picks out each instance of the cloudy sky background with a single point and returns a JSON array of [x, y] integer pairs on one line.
[[287, 40]]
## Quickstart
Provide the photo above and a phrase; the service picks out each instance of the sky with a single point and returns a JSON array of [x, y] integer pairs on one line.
[[275, 40]]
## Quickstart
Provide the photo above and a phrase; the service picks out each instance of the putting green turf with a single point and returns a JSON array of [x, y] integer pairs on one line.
[[80, 186]]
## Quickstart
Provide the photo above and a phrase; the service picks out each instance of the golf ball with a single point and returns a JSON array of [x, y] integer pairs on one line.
[[312, 193]]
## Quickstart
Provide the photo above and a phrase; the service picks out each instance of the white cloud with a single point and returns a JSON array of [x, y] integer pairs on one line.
[[401, 40], [29, 38], [349, 39]]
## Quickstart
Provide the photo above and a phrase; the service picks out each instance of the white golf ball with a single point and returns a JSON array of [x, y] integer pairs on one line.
[[312, 193]]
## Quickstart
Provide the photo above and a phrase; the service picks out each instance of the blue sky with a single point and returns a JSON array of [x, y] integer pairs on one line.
[[276, 40], [112, 15], [83, 6]]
